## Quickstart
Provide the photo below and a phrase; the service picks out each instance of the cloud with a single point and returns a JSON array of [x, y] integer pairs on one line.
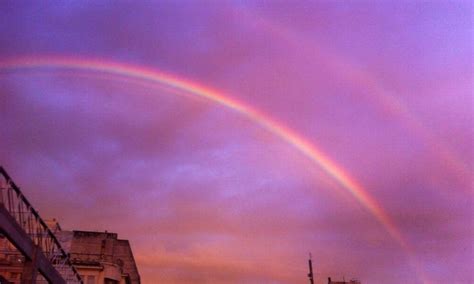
[[205, 195]]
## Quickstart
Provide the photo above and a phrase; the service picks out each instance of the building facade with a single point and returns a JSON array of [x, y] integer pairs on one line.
[[100, 257], [11, 262]]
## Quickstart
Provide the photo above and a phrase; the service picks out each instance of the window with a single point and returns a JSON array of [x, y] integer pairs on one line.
[[15, 275], [90, 279]]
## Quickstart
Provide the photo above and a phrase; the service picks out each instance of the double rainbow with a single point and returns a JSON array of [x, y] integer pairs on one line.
[[303, 145]]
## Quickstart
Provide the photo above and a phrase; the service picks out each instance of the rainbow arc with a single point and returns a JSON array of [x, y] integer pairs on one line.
[[297, 141]]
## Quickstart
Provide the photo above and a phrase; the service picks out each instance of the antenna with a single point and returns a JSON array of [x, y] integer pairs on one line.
[[310, 274]]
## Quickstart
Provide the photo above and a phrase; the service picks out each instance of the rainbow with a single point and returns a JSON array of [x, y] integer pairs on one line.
[[378, 94], [304, 146]]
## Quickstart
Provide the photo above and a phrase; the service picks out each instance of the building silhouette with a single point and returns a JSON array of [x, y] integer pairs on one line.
[[353, 281]]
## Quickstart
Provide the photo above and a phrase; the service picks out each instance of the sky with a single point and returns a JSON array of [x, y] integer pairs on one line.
[[227, 140]]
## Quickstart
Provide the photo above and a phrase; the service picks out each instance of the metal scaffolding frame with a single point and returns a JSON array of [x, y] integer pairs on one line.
[[28, 232]]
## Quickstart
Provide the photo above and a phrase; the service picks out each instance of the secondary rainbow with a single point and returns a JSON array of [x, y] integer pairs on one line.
[[307, 148], [375, 91]]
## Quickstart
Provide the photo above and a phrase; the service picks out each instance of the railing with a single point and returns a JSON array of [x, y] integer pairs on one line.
[[28, 218]]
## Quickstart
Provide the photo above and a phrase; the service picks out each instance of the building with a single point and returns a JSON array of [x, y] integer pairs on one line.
[[353, 281], [11, 262], [100, 257]]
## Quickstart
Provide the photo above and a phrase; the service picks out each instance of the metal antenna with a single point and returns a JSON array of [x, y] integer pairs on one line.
[[310, 274]]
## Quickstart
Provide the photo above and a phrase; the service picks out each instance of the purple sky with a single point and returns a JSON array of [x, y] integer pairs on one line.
[[206, 195]]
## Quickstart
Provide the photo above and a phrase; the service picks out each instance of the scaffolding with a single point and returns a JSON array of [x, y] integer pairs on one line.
[[41, 251]]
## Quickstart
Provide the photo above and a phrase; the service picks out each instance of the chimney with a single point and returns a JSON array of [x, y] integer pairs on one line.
[[329, 280]]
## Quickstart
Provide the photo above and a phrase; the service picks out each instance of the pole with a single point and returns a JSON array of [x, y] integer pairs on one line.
[[310, 274]]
